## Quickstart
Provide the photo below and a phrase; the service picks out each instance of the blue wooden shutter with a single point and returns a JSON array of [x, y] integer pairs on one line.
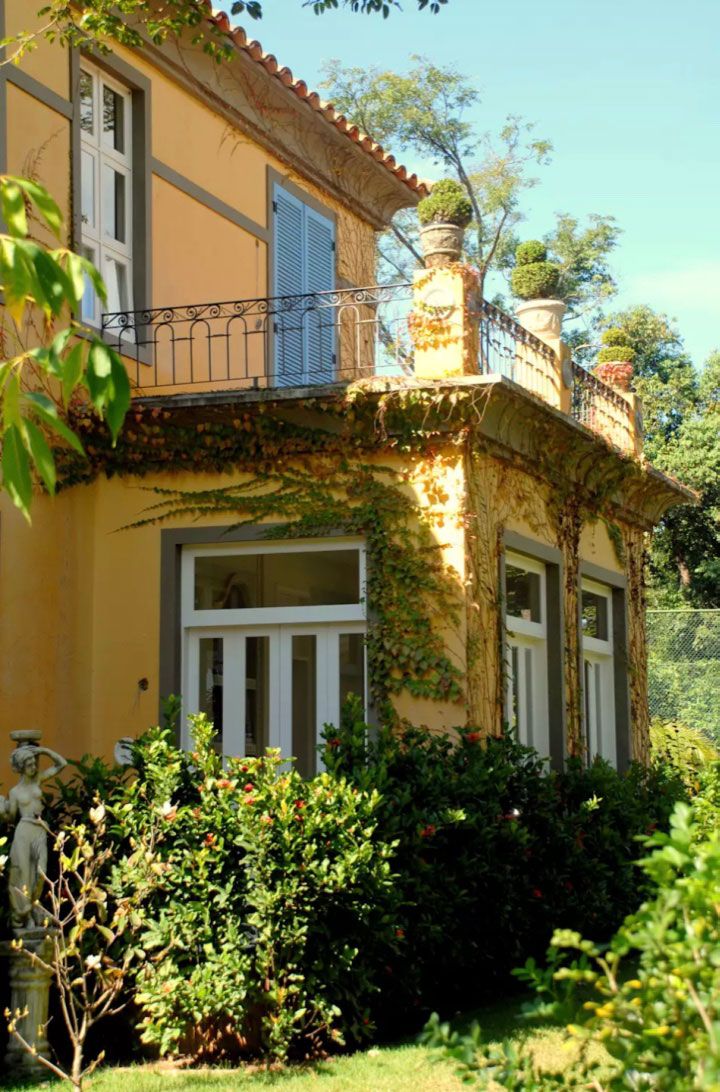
[[321, 319], [288, 280], [303, 265]]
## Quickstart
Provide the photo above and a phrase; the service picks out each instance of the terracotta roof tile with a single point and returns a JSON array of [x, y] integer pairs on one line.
[[326, 109]]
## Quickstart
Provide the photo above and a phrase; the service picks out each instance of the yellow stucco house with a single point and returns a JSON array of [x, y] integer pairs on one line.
[[322, 487]]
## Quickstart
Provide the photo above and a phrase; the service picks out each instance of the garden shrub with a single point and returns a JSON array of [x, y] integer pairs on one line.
[[624, 353], [652, 996], [684, 750], [448, 203], [534, 277], [268, 897], [643, 1011], [493, 852]]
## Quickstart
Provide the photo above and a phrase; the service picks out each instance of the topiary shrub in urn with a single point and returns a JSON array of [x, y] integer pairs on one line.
[[615, 360], [536, 281], [443, 216]]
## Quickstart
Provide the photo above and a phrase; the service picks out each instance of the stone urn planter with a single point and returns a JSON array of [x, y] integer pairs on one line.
[[443, 217], [441, 244], [543, 318], [616, 373]]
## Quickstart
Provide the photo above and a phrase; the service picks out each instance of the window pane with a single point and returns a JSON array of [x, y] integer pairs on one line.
[[116, 282], [257, 676], [244, 581], [304, 703], [595, 616], [113, 204], [114, 118], [522, 592], [89, 300], [88, 203], [210, 697], [352, 665], [87, 113]]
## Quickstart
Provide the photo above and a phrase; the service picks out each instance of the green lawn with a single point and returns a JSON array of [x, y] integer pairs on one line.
[[403, 1068]]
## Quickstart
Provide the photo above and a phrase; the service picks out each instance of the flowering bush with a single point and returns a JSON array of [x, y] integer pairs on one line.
[[493, 852], [266, 889]]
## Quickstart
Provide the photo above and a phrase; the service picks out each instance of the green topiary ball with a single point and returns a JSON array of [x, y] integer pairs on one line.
[[447, 204], [624, 353], [613, 336], [537, 280], [531, 251]]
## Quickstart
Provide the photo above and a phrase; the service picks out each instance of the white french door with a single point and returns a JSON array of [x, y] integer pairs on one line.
[[273, 686]]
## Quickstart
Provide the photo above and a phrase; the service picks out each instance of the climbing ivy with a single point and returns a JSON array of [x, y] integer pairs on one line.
[[409, 588]]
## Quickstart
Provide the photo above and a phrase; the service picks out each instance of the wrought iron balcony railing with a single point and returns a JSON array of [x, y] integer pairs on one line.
[[602, 409], [329, 337]]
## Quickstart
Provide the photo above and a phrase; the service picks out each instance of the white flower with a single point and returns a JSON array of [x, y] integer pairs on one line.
[[92, 962], [97, 814]]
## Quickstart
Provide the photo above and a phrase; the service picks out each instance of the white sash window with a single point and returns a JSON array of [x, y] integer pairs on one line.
[[526, 669], [106, 188], [598, 671], [273, 642]]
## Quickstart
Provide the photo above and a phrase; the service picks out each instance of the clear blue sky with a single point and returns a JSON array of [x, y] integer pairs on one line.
[[627, 90]]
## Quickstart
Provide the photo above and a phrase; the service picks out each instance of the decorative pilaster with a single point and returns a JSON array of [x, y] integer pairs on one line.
[[444, 323]]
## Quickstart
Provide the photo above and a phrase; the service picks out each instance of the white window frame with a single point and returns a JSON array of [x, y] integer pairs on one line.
[[598, 682], [530, 640], [95, 243], [279, 625]]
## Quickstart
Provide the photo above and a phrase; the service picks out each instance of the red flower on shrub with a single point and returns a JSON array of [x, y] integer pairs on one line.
[[249, 799], [537, 893], [400, 934], [569, 885], [209, 839], [223, 783], [334, 742], [299, 803], [249, 787], [428, 831], [473, 737]]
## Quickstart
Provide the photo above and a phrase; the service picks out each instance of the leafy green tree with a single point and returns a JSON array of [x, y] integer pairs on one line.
[[43, 366], [681, 410], [425, 113]]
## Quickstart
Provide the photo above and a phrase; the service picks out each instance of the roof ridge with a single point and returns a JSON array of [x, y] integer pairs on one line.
[[285, 76]]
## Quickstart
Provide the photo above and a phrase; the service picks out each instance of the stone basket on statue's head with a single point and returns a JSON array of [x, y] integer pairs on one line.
[[443, 216]]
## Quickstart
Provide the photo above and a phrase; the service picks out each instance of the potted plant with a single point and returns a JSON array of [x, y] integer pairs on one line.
[[615, 360], [443, 216], [536, 281]]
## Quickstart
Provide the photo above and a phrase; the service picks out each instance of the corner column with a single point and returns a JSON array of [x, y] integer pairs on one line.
[[444, 324]]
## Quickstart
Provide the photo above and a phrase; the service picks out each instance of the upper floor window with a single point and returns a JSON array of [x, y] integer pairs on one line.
[[598, 671], [106, 188], [526, 674]]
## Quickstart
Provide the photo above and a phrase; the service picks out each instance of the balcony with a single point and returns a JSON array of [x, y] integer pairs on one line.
[[311, 341]]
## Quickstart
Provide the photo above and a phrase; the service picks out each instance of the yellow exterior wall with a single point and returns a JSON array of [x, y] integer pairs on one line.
[[38, 144], [596, 546], [80, 608], [50, 66], [210, 253]]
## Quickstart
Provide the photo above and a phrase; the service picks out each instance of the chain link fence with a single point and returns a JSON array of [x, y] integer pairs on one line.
[[684, 668]]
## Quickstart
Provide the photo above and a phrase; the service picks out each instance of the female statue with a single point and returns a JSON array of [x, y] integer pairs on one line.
[[28, 852]]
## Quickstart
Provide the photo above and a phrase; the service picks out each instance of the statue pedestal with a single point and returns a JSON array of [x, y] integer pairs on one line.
[[29, 994]]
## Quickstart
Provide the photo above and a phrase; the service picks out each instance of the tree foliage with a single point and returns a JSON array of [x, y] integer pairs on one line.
[[681, 408], [426, 114], [42, 365]]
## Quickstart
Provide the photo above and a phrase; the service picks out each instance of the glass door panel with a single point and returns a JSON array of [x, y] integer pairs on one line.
[[352, 666], [210, 695], [257, 694], [303, 685]]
